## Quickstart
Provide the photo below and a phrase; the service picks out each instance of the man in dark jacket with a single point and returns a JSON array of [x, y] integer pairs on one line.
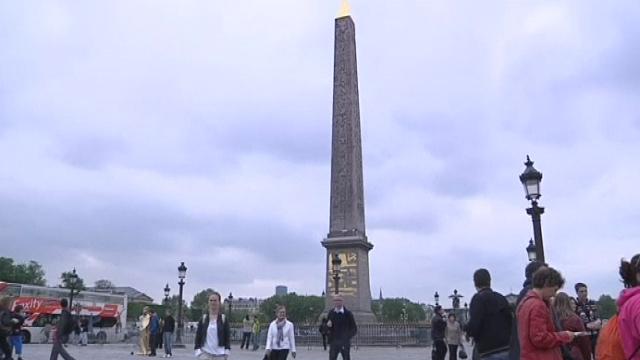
[[6, 325], [154, 330], [63, 329], [342, 327], [167, 333], [490, 319], [514, 351], [438, 327]]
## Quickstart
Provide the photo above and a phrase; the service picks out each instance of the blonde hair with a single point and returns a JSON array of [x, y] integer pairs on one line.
[[562, 306]]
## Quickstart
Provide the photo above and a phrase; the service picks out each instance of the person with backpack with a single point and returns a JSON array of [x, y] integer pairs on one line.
[[539, 339], [620, 337], [213, 338]]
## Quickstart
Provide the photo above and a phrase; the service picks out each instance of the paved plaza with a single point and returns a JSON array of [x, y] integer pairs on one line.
[[115, 352]]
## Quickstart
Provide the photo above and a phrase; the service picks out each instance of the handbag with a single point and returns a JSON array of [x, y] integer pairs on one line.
[[462, 354]]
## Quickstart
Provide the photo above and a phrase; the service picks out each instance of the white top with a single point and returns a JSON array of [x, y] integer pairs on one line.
[[211, 345], [288, 341]]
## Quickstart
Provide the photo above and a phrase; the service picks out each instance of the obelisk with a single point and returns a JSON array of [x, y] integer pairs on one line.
[[347, 234]]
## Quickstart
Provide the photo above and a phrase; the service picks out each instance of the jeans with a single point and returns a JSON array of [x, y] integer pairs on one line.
[[279, 354], [340, 348], [16, 343], [504, 355], [439, 350], [246, 337], [453, 352], [168, 342], [58, 349]]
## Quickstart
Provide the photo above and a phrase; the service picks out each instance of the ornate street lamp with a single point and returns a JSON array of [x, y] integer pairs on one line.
[[335, 269], [167, 290], [73, 281], [182, 274], [230, 298], [436, 297], [531, 251], [531, 179]]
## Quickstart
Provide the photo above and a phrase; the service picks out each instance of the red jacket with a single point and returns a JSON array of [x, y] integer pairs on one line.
[[580, 346], [539, 339]]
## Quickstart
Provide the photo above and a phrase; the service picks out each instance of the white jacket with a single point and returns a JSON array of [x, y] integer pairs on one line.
[[288, 342]]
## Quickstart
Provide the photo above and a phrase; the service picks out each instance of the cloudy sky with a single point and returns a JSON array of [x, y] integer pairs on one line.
[[138, 134]]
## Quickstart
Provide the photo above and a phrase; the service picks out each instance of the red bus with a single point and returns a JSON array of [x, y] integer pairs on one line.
[[107, 313]]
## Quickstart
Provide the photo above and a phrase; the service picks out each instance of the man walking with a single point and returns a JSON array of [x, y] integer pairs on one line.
[[342, 327], [167, 333], [438, 328], [154, 329], [490, 319], [63, 329]]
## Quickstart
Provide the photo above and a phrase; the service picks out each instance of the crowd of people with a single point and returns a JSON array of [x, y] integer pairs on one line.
[[545, 324], [156, 333]]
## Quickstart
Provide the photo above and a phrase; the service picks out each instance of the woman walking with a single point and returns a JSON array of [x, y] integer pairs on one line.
[[453, 336], [280, 337], [246, 332], [567, 319], [213, 335]]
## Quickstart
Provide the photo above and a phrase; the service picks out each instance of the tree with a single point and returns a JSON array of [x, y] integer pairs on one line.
[[104, 284], [27, 273], [607, 306], [395, 310], [200, 303], [300, 309], [65, 282]]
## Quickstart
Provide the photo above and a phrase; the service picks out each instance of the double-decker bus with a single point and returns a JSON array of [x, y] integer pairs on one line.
[[106, 313]]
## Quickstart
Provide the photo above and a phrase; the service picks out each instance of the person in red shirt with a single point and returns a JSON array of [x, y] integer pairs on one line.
[[539, 339]]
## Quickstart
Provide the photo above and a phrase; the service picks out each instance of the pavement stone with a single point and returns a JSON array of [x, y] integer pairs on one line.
[[122, 351]]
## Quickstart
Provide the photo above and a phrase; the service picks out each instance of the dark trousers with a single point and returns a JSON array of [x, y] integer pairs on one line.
[[279, 354], [453, 352], [340, 348], [153, 341], [246, 339], [324, 341], [5, 347], [439, 350], [58, 349]]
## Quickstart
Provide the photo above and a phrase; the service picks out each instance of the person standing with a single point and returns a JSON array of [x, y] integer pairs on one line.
[[629, 305], [84, 331], [566, 319], [246, 332], [167, 333], [438, 329], [18, 316], [324, 331], [453, 336], [256, 333], [539, 339], [145, 320], [154, 330], [532, 267], [6, 324], [490, 319], [342, 328], [280, 337], [63, 329], [587, 310], [213, 335]]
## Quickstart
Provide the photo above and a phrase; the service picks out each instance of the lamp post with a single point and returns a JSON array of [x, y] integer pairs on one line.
[[531, 251], [230, 298], [436, 297], [182, 274], [73, 280], [335, 268], [531, 179], [167, 290]]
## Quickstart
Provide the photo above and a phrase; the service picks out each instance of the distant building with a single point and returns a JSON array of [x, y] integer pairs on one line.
[[133, 295], [248, 305], [281, 290]]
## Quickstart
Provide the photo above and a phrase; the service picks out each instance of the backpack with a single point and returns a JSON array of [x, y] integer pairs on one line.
[[610, 341]]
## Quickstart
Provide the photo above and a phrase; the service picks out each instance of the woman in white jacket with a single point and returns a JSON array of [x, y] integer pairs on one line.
[[280, 337]]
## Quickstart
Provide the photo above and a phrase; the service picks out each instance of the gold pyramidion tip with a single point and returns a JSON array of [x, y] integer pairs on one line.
[[345, 9]]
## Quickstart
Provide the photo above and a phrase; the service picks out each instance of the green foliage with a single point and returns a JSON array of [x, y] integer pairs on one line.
[[26, 273], [104, 284], [607, 306], [395, 310], [65, 282], [300, 309]]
